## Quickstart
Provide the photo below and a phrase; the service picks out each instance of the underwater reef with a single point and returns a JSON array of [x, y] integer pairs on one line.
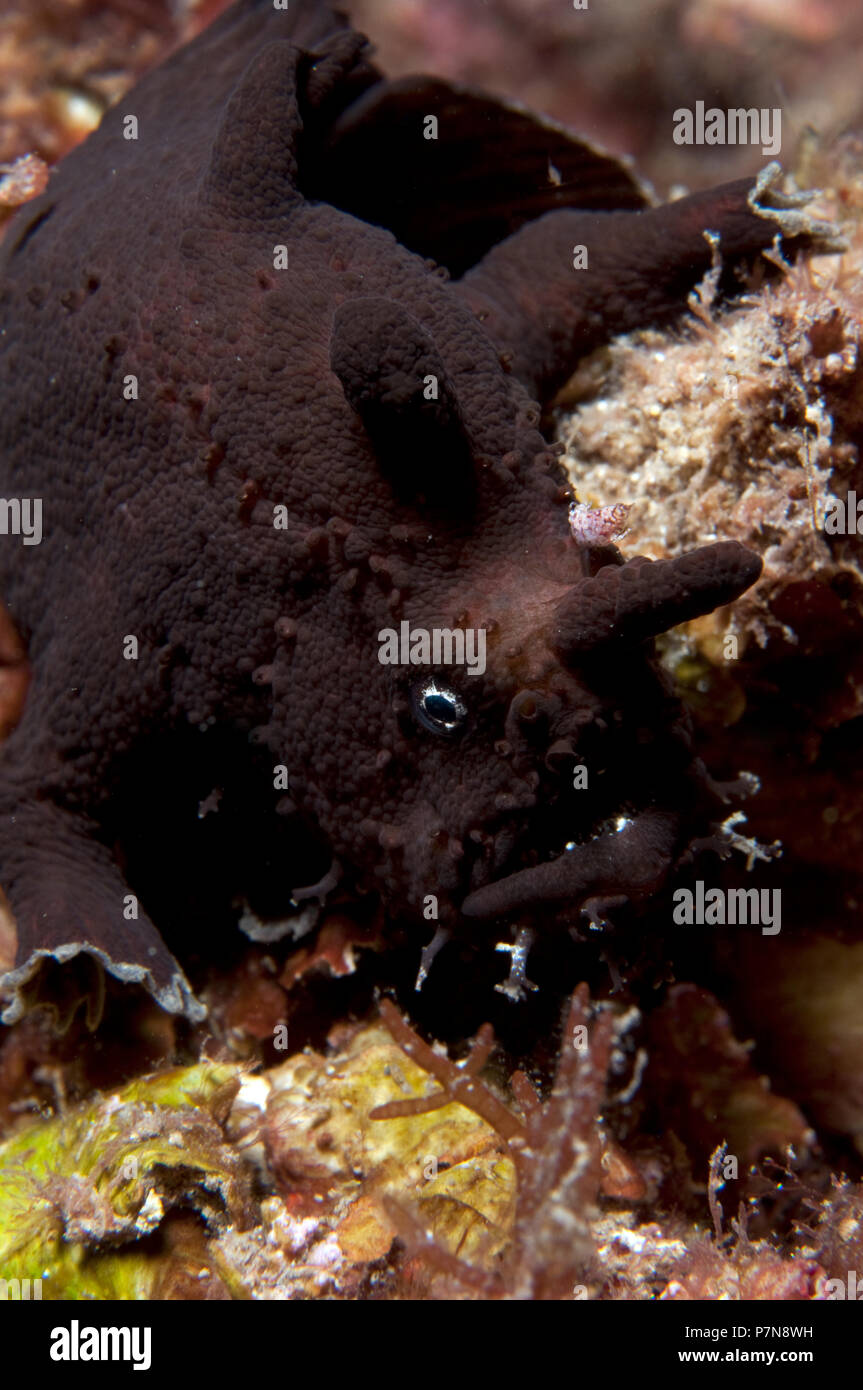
[[605, 1099]]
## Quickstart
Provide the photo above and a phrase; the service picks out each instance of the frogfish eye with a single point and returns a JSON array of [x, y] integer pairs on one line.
[[438, 708]]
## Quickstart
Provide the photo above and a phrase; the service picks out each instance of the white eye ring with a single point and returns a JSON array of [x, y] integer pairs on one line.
[[438, 708]]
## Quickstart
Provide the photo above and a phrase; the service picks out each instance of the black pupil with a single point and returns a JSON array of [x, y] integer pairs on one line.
[[440, 707]]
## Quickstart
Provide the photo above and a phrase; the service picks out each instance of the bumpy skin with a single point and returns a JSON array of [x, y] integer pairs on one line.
[[261, 388]]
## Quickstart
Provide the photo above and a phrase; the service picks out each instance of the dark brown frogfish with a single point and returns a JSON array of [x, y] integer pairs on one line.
[[273, 345]]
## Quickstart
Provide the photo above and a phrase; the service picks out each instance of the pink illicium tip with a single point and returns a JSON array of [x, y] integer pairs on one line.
[[597, 525]]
